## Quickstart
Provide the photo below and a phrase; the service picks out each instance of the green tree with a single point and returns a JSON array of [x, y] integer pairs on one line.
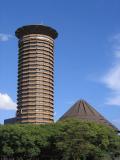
[[66, 140], [82, 140]]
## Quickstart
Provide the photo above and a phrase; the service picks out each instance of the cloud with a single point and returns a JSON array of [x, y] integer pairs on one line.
[[112, 78], [6, 102], [5, 37], [114, 100]]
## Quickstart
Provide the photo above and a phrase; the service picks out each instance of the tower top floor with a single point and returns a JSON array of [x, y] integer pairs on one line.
[[36, 29]]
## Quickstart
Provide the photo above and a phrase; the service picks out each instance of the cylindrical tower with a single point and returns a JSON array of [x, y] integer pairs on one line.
[[35, 94]]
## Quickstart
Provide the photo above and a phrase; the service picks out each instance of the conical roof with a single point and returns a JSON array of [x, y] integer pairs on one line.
[[82, 110]]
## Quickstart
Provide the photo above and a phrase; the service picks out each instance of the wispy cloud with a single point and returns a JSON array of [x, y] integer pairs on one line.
[[5, 37], [6, 102], [112, 78], [114, 100]]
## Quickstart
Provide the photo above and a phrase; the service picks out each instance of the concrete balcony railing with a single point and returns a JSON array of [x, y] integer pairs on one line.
[[37, 71], [36, 61], [38, 43], [24, 86], [35, 77], [34, 49], [35, 53], [41, 93], [27, 105], [26, 68], [38, 114], [36, 46], [37, 96], [37, 121], [37, 37], [37, 109], [38, 58], [34, 99], [35, 64], [36, 83]]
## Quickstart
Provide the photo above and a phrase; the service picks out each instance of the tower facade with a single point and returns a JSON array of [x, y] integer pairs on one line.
[[35, 93]]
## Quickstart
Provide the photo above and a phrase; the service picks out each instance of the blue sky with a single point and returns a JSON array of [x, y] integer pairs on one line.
[[87, 52]]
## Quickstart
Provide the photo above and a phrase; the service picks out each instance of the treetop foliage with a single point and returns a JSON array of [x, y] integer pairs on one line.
[[71, 139]]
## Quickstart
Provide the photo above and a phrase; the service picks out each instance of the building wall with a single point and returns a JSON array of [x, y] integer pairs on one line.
[[10, 121]]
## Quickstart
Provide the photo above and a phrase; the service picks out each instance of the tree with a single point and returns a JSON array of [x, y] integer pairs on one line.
[[82, 140], [66, 140]]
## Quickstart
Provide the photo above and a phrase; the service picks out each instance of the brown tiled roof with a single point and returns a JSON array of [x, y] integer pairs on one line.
[[82, 110]]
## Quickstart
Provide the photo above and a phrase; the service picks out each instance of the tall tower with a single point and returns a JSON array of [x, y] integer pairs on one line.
[[35, 95]]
